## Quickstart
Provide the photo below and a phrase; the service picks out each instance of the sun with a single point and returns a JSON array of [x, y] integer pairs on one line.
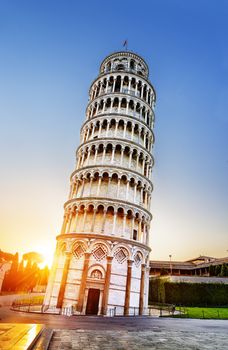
[[47, 253]]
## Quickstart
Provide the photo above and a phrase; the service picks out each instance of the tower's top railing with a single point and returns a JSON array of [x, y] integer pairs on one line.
[[126, 61]]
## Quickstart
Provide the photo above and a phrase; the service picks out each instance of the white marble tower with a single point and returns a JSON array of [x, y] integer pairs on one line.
[[102, 255]]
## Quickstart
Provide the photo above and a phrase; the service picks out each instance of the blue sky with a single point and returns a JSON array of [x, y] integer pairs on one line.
[[50, 52]]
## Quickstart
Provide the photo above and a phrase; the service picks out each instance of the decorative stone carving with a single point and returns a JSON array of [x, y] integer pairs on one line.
[[99, 252], [121, 254]]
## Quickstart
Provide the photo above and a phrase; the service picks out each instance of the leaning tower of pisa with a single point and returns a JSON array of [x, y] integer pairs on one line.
[[101, 261]]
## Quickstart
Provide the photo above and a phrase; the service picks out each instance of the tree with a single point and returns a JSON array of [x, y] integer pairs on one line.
[[217, 270], [44, 276], [13, 273], [224, 271]]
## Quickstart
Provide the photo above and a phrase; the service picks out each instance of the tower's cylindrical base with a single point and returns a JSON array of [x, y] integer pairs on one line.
[[100, 275]]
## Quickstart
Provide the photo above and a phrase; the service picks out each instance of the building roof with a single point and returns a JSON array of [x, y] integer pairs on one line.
[[200, 262], [174, 264], [202, 258]]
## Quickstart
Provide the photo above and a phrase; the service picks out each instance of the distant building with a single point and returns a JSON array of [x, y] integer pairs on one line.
[[200, 266]]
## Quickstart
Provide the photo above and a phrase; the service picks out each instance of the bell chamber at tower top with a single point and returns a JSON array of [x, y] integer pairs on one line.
[[122, 87]]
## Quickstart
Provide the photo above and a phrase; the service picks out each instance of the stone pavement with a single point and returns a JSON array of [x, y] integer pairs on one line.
[[155, 339]]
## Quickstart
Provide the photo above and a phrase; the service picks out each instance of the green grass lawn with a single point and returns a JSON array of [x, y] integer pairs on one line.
[[204, 312]]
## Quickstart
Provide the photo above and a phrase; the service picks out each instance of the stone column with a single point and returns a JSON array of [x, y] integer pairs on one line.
[[97, 107], [83, 282], [138, 163], [106, 285], [146, 199], [71, 191], [141, 196], [65, 220], [106, 89], [88, 157], [63, 281], [128, 288], [78, 161], [82, 159], [132, 226], [103, 109], [143, 164], [87, 135], [136, 88], [95, 157], [142, 91], [127, 189], [90, 185], [147, 234], [99, 185], [119, 106], [121, 85], [114, 84], [103, 221], [113, 153], [121, 157], [129, 85], [84, 220], [142, 288], [83, 185], [114, 223], [93, 129], [132, 132], [100, 127], [124, 224], [75, 222], [135, 192], [103, 155], [127, 109], [139, 230], [70, 221], [144, 139], [139, 133], [93, 220], [125, 128], [107, 129], [140, 113], [116, 128], [118, 187], [130, 158], [76, 189]]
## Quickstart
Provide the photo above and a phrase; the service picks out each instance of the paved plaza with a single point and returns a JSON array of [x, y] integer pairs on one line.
[[121, 333], [155, 338]]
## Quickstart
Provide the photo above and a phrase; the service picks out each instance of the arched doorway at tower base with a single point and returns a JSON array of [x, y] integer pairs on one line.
[[93, 299]]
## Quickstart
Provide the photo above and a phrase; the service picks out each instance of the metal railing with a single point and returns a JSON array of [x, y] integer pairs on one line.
[[127, 70], [29, 304], [121, 91], [36, 305]]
